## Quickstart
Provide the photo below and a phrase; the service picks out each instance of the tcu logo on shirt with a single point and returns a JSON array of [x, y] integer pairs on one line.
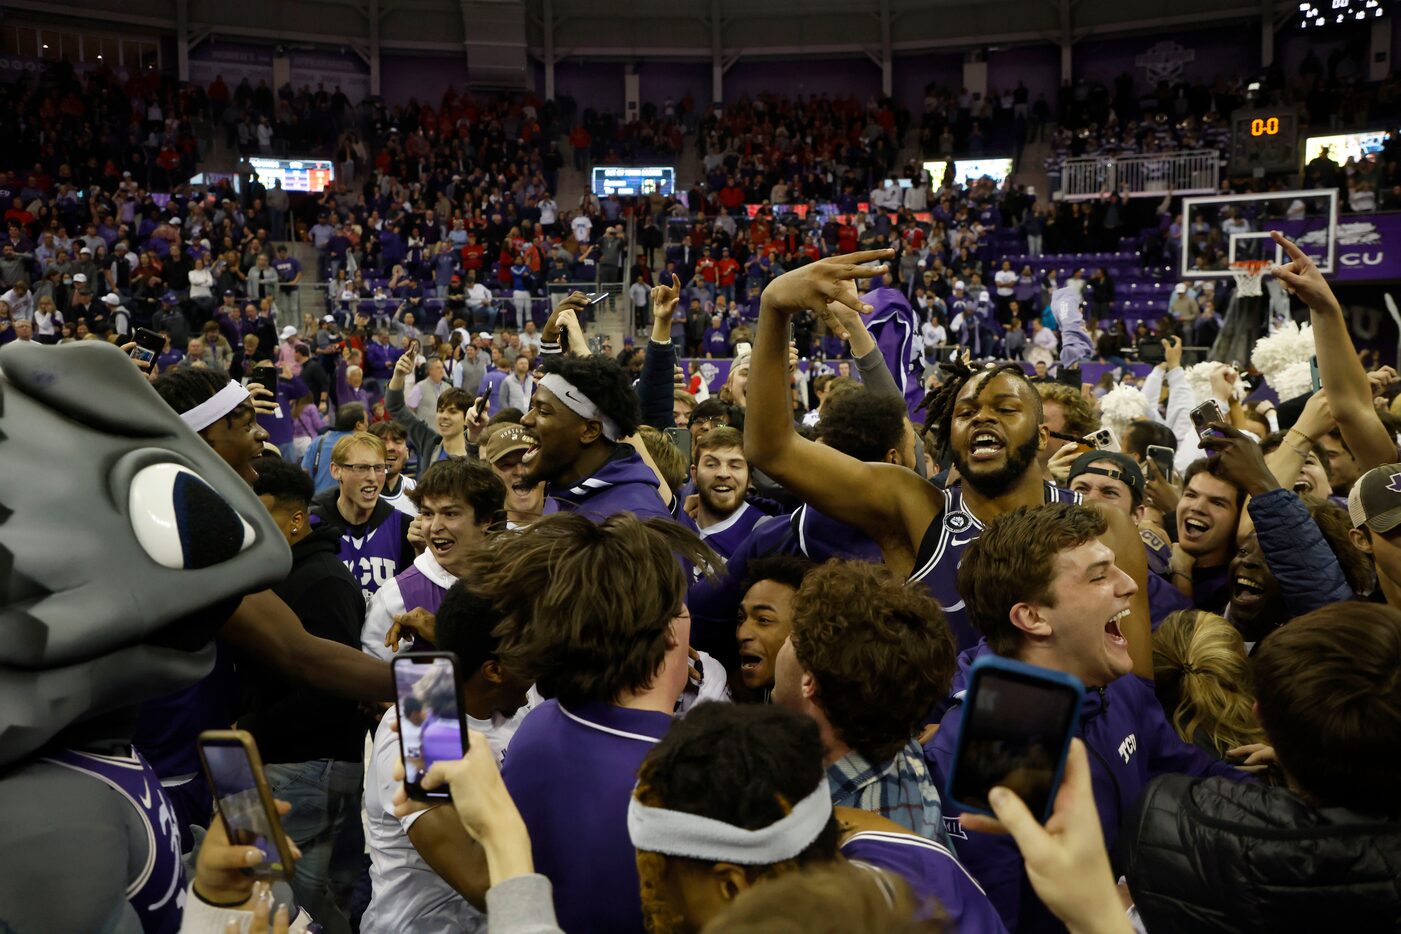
[[376, 571], [1128, 747]]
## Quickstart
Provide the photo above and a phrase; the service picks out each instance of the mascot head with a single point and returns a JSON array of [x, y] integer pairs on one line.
[[125, 542]]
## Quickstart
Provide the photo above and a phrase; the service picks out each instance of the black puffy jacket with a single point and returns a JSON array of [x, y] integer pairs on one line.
[[1214, 855]]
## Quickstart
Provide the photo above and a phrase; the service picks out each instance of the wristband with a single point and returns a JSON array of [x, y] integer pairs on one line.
[[212, 904]]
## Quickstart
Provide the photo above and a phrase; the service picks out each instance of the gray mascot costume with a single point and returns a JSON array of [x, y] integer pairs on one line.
[[125, 542]]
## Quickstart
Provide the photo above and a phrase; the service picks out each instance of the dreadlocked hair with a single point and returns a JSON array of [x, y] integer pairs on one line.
[[938, 402]]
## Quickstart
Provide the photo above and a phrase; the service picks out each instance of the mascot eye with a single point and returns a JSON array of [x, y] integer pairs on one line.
[[181, 522]]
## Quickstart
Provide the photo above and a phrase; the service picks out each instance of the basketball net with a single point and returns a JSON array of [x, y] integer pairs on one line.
[[1249, 275]]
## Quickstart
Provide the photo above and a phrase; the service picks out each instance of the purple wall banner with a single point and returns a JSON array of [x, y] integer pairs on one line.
[[1368, 247]]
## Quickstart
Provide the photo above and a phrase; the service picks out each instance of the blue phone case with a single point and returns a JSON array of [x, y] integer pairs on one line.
[[1022, 671]]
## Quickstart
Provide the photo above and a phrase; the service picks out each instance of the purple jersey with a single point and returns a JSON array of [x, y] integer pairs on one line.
[[727, 535], [571, 773], [941, 552], [155, 889], [932, 872]]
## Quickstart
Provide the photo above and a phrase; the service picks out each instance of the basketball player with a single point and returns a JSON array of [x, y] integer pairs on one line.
[[990, 420]]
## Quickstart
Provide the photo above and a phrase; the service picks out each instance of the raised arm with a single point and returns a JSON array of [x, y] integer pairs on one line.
[[1349, 392], [655, 383], [890, 504]]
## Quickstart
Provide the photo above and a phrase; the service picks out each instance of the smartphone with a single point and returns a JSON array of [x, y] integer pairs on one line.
[[235, 773], [265, 375], [1204, 415], [681, 437], [149, 345], [1103, 440], [1315, 380], [412, 349], [597, 297], [1162, 458], [1018, 721], [428, 699]]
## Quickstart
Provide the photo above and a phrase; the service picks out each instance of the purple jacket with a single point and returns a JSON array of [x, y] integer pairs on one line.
[[380, 360], [623, 484], [1130, 742]]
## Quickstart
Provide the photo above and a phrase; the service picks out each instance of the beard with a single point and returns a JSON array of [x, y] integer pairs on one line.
[[995, 483]]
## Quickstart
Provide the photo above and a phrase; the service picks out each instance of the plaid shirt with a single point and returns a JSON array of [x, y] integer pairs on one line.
[[901, 790]]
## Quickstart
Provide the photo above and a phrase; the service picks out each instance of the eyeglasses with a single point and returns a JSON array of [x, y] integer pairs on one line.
[[360, 470]]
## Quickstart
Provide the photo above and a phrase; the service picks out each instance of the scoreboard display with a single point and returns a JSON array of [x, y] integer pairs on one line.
[[310, 175], [630, 180], [1264, 139]]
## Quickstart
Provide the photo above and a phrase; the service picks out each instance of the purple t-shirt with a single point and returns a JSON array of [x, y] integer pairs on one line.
[[932, 871], [571, 772]]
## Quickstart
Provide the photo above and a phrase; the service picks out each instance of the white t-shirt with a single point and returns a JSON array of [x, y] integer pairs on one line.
[[548, 211], [582, 227], [408, 894], [400, 500], [1005, 281]]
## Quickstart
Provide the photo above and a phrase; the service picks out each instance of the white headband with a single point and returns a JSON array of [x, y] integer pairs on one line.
[[215, 407], [580, 404], [674, 833]]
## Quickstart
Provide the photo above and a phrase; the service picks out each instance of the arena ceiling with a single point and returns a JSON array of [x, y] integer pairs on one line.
[[680, 29]]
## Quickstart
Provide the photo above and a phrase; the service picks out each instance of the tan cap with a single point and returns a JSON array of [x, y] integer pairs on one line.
[[503, 439], [1375, 499]]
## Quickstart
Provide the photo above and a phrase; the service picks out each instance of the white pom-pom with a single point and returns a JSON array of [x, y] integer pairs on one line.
[[1199, 380], [1120, 406], [1296, 379], [1288, 346]]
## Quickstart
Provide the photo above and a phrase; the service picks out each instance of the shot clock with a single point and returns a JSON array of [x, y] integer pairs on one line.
[[1264, 140]]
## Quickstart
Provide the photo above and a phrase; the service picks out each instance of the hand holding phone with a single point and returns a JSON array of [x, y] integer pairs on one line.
[[1162, 458], [149, 345], [428, 702], [265, 375], [1103, 439], [1205, 415], [1018, 721], [245, 803]]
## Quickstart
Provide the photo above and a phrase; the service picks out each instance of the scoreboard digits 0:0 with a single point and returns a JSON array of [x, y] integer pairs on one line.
[[1264, 126]]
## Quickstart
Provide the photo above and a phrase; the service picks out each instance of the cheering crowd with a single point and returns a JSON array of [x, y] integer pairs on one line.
[[714, 640], [713, 663]]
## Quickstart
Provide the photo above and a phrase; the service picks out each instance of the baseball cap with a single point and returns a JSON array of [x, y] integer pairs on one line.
[[176, 221], [80, 278], [170, 297], [329, 319], [1111, 464], [85, 250], [503, 439], [1181, 288], [958, 284], [111, 298], [485, 335], [289, 331], [1375, 499]]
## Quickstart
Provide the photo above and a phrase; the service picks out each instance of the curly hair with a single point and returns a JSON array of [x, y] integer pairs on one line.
[[880, 651], [287, 483], [1080, 416], [745, 765], [1013, 562], [587, 607], [183, 388], [471, 481], [605, 383], [1202, 677], [862, 424]]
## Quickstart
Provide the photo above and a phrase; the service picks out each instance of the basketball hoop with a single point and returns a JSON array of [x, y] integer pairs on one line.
[[1249, 275]]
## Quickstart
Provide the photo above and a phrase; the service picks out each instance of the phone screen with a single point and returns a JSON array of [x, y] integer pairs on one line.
[[1017, 727], [241, 804], [430, 718], [265, 375]]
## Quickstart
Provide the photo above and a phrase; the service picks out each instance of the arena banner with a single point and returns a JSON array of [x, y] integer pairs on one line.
[[1368, 246]]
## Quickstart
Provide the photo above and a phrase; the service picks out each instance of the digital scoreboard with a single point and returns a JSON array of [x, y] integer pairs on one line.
[[1265, 140], [633, 180], [310, 175], [1315, 14]]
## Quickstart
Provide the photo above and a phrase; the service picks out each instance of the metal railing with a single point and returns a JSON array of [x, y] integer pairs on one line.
[[1196, 171]]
